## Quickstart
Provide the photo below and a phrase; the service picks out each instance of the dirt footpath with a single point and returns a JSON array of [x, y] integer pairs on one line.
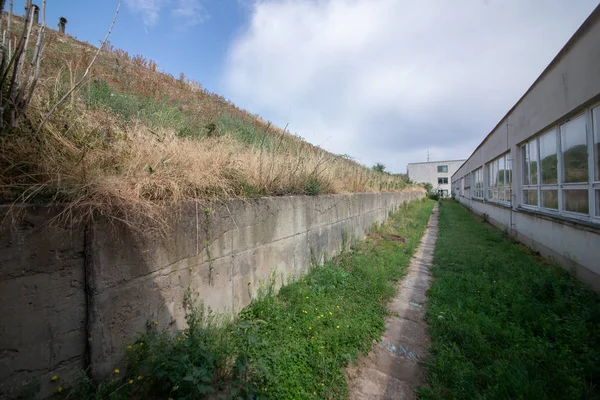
[[392, 369]]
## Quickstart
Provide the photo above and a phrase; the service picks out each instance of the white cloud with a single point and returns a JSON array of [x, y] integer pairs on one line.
[[383, 80], [189, 12], [185, 13]]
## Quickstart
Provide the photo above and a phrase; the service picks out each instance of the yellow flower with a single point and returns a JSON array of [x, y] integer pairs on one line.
[[319, 352], [131, 381], [330, 313], [337, 306], [338, 327], [321, 315], [316, 309], [310, 328], [307, 297], [129, 347], [155, 322], [117, 371], [140, 378], [322, 347], [141, 343], [54, 378], [59, 389], [322, 384]]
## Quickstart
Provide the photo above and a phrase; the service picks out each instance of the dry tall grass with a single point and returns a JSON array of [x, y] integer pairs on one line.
[[101, 155]]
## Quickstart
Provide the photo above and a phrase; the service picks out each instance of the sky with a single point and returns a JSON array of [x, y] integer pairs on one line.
[[384, 81]]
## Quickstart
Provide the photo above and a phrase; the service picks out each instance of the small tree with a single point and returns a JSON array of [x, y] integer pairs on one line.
[[378, 167]]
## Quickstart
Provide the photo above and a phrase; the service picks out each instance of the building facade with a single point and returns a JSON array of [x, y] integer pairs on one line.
[[537, 174], [437, 173]]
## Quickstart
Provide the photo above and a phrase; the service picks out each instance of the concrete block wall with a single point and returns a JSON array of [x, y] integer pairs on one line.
[[76, 298]]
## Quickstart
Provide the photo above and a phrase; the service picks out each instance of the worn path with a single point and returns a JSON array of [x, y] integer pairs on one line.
[[392, 369]]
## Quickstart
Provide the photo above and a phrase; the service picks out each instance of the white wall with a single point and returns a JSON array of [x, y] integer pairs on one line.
[[569, 86], [427, 172]]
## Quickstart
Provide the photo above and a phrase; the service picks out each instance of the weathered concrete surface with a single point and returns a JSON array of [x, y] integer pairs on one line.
[[42, 301], [392, 369], [50, 277]]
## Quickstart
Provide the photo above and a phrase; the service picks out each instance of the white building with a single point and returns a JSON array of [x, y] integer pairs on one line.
[[437, 173], [537, 173]]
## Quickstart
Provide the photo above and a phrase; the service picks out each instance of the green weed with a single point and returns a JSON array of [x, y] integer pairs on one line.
[[503, 323]]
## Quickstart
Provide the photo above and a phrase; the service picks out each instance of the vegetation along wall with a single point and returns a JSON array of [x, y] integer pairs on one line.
[[74, 298]]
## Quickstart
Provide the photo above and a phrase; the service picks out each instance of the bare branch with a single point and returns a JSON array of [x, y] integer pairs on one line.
[[55, 106], [37, 57]]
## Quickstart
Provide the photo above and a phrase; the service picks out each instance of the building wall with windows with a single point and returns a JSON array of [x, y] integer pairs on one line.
[[537, 174], [437, 173]]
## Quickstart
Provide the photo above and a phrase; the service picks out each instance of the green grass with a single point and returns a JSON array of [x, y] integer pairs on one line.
[[150, 111], [290, 345], [505, 324]]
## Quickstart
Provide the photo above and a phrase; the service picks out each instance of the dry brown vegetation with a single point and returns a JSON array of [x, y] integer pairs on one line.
[[133, 140]]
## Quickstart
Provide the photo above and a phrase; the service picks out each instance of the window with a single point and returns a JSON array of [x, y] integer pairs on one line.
[[478, 183], [574, 171], [529, 152], [500, 179], [566, 160], [442, 168], [443, 193], [442, 181]]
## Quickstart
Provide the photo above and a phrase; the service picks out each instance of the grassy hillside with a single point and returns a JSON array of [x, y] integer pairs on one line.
[[133, 140]]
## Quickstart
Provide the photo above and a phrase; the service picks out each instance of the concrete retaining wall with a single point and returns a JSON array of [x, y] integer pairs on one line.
[[74, 298]]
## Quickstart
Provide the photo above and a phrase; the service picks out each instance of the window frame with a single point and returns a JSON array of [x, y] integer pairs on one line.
[[478, 184], [442, 169], [442, 178], [591, 185], [492, 174]]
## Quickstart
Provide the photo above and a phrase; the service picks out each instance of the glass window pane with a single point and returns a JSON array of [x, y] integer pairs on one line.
[[573, 140], [596, 124], [550, 199], [526, 161], [548, 158], [530, 197], [576, 201], [533, 166], [508, 176], [501, 194], [508, 195], [500, 172], [598, 203]]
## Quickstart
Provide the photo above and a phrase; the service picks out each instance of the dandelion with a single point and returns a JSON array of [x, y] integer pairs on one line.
[[141, 344], [155, 322], [319, 352], [140, 378], [54, 378], [117, 371], [59, 389], [337, 327], [330, 313], [322, 384], [310, 328], [131, 381], [316, 309], [307, 297], [337, 306], [129, 347], [321, 315], [322, 347]]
